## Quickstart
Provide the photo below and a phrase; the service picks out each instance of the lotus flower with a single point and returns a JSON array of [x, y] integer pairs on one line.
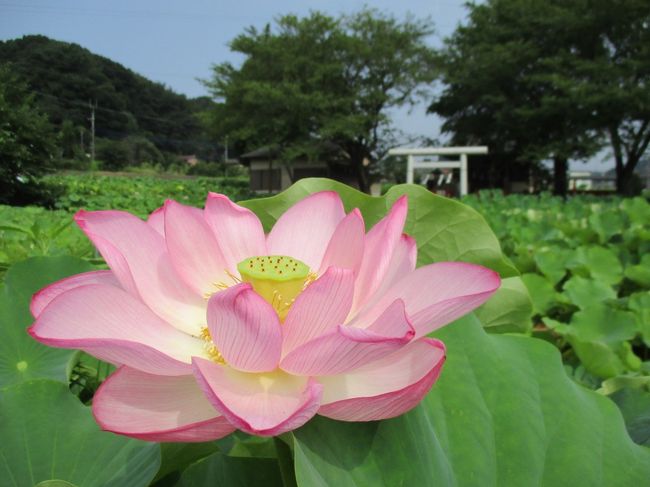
[[217, 326]]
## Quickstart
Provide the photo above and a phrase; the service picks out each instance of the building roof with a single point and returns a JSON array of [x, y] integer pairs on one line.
[[272, 151], [263, 152]]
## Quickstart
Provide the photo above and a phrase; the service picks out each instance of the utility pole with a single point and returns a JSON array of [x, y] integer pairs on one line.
[[92, 130], [226, 154]]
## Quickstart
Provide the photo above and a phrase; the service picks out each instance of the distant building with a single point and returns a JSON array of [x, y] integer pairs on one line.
[[190, 159], [270, 175], [591, 181]]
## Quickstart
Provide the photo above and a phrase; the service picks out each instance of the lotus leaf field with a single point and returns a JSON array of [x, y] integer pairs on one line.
[[548, 383]]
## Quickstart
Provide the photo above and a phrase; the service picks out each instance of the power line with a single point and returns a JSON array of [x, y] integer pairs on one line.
[[100, 108]]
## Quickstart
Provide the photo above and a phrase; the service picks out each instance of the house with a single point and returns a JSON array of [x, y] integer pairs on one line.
[[268, 174]]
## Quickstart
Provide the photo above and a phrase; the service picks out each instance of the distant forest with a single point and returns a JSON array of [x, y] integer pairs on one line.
[[65, 78]]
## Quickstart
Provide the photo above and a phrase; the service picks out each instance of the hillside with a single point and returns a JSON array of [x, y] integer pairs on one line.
[[65, 77]]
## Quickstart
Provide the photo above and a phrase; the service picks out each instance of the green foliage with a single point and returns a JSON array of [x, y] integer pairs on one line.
[[28, 232], [26, 140], [309, 82], [113, 154], [139, 195], [584, 260]]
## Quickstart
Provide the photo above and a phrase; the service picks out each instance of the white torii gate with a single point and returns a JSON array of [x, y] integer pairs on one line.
[[461, 163]]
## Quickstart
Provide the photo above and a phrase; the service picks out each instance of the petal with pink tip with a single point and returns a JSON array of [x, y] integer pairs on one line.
[[346, 348], [385, 388], [193, 250], [436, 294], [156, 220], [321, 307], [401, 264], [245, 329], [157, 408], [43, 297], [260, 404], [304, 230], [381, 241], [137, 255], [111, 324], [345, 248], [237, 230]]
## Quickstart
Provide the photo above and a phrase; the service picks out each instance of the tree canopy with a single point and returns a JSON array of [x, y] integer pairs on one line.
[[538, 79], [307, 83]]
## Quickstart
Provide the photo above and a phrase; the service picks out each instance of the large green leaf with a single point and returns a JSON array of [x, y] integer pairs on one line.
[[586, 292], [600, 263], [503, 413], [21, 357], [553, 262], [47, 434], [443, 228], [635, 406]]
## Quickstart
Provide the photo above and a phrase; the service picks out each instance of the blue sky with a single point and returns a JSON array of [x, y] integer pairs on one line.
[[176, 42]]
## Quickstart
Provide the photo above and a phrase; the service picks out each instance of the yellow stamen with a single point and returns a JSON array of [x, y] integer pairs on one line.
[[213, 353], [220, 285], [277, 278]]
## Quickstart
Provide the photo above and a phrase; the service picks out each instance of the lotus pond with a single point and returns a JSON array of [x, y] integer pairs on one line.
[[548, 383]]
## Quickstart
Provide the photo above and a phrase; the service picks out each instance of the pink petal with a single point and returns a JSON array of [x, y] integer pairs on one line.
[[380, 245], [193, 250], [43, 297], [260, 404], [245, 329], [436, 294], [157, 408], [386, 388], [345, 249], [346, 348], [401, 263], [237, 229], [323, 305], [137, 255], [111, 324], [304, 230], [156, 220]]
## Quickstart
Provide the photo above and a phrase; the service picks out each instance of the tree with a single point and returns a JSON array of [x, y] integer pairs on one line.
[[535, 79], [502, 88], [27, 141], [312, 82]]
